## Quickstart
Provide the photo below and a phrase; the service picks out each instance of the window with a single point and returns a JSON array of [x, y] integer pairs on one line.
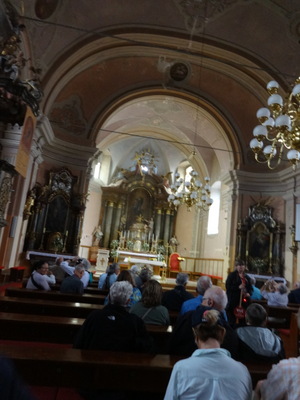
[[214, 211], [97, 170]]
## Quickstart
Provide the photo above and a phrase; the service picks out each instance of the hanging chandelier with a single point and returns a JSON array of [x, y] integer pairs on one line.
[[279, 129], [191, 193]]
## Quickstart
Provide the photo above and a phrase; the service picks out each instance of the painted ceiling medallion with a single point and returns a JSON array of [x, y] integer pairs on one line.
[[45, 8]]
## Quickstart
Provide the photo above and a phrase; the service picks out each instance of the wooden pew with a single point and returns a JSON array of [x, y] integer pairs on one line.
[[47, 307], [54, 295], [144, 373], [55, 308], [280, 317], [53, 329], [291, 337], [39, 328]]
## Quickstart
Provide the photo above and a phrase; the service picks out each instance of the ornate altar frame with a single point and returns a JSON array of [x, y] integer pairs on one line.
[[259, 241], [54, 214]]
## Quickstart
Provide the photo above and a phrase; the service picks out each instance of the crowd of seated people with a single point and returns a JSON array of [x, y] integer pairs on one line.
[[202, 333]]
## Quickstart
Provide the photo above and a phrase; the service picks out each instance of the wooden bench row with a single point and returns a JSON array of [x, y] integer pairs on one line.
[[62, 330], [55, 295], [45, 303], [127, 372]]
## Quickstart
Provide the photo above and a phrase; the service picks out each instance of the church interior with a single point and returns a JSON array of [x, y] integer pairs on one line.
[[126, 126]]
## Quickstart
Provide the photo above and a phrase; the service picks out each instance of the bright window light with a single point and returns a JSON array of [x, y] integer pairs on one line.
[[214, 211], [97, 170]]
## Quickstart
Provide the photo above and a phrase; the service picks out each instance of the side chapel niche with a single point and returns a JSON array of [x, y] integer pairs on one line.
[[260, 241], [135, 214], [54, 214]]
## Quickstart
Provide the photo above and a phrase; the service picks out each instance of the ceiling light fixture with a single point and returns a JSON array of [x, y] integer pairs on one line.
[[191, 192], [279, 128]]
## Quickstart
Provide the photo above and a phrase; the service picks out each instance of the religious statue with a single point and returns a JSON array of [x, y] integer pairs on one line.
[[29, 203], [97, 234], [173, 244]]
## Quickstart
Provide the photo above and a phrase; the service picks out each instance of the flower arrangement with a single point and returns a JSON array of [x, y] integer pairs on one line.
[[114, 244], [129, 245], [145, 247]]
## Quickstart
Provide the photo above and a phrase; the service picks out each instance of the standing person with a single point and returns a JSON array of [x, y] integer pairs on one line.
[[239, 290], [209, 372], [174, 298], [109, 277], [38, 279], [149, 308], [73, 283]]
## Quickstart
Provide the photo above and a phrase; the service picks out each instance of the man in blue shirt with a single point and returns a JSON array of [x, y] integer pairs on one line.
[[204, 282]]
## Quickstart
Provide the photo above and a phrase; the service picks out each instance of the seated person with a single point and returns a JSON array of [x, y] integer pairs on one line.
[[73, 283], [256, 295], [69, 269], [283, 381], [256, 342], [136, 294], [135, 272], [203, 283], [173, 299], [182, 340], [210, 372], [276, 294], [38, 279], [145, 274], [294, 295], [149, 309], [109, 277], [113, 328]]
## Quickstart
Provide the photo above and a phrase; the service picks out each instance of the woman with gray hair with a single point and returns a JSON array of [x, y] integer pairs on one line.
[[113, 328]]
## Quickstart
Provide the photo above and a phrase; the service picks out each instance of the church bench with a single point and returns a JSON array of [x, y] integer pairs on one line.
[[53, 329], [291, 337], [66, 367], [280, 317], [39, 328], [47, 307], [54, 295], [55, 308]]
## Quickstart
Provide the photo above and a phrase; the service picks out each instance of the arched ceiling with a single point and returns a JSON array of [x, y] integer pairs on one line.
[[106, 69]]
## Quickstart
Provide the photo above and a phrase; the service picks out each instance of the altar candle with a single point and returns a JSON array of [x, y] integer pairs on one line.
[[67, 233]]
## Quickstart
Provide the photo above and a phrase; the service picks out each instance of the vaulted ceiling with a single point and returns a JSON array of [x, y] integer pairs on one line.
[[179, 77]]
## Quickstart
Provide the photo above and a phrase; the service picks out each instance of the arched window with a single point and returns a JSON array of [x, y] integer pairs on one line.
[[214, 211], [97, 170]]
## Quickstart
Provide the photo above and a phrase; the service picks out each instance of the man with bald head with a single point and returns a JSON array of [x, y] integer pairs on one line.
[[182, 339]]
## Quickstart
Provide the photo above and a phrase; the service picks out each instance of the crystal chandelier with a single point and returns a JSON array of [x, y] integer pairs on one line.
[[279, 128], [191, 193]]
